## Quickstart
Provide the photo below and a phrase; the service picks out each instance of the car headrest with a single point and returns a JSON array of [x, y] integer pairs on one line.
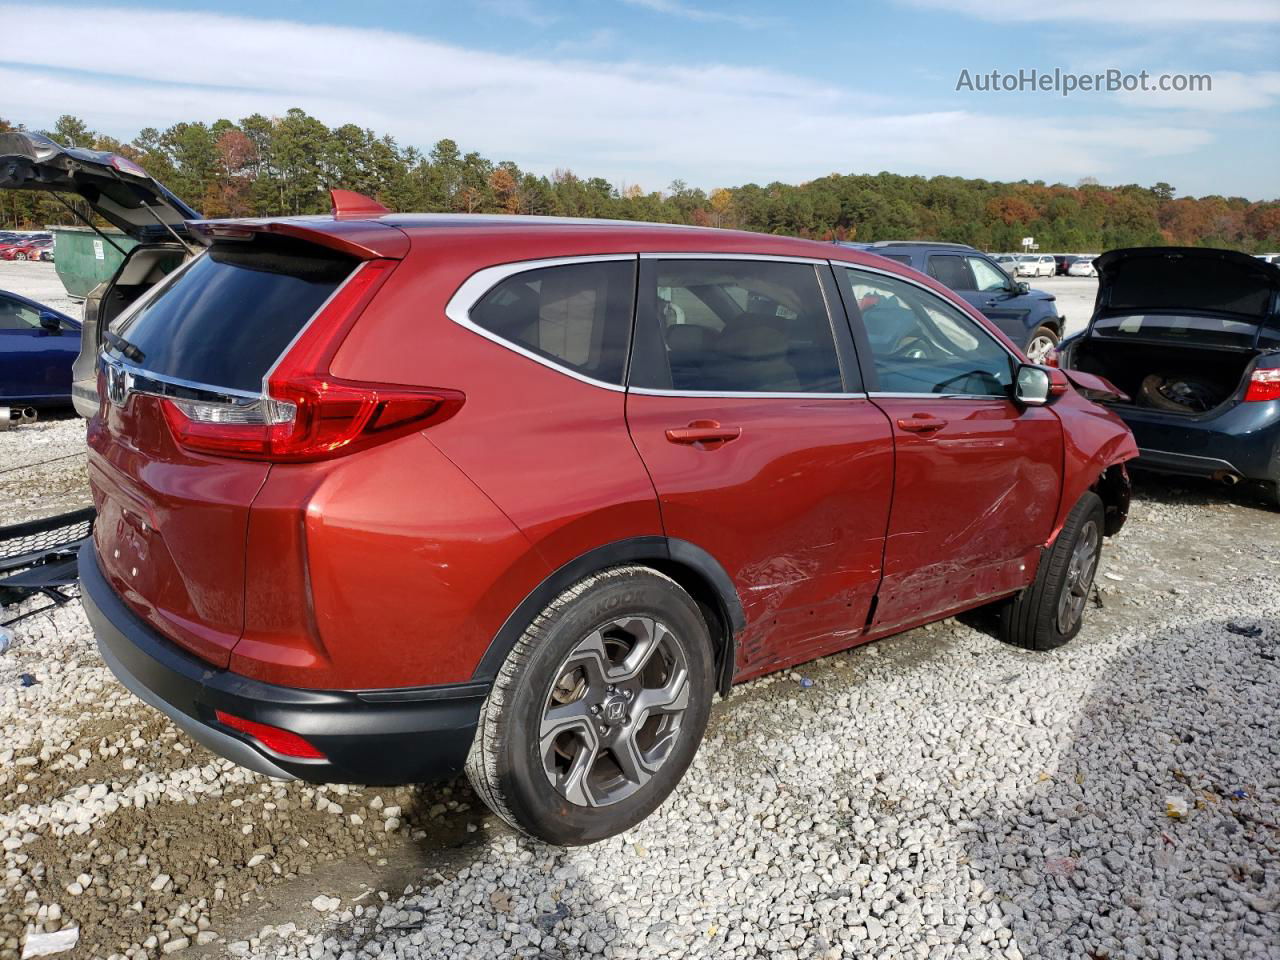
[[687, 337], [750, 340]]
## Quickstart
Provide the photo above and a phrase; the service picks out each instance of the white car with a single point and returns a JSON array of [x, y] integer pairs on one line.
[[1268, 257], [1082, 267], [1036, 265], [1007, 262]]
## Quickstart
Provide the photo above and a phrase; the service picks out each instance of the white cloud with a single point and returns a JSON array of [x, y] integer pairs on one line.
[[1229, 92], [1149, 14], [635, 122], [688, 11]]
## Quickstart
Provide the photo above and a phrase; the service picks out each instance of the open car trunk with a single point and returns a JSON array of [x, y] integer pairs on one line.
[[1174, 378], [1178, 328], [121, 193]]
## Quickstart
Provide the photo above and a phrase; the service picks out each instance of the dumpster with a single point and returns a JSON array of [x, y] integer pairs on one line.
[[83, 259]]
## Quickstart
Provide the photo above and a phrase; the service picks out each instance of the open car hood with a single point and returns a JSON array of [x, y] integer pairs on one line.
[[1138, 280], [117, 189]]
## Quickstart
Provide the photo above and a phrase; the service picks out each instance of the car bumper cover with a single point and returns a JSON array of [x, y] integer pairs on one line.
[[392, 736]]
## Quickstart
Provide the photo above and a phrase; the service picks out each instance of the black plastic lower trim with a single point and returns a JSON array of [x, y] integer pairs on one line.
[[390, 736]]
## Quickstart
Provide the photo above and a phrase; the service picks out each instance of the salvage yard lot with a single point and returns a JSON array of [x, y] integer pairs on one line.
[[933, 795]]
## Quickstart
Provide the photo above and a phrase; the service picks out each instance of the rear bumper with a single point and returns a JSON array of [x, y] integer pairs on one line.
[[390, 736], [1243, 440]]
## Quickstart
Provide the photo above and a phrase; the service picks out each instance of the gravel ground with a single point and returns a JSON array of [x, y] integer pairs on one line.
[[933, 795]]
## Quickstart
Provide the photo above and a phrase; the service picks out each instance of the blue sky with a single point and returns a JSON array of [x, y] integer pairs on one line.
[[716, 93]]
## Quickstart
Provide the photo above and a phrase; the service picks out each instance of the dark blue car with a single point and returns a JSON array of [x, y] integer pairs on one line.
[[1192, 335], [1028, 317], [37, 347]]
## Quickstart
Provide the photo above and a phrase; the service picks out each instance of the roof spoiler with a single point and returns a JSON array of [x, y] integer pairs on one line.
[[349, 205], [353, 229], [363, 239]]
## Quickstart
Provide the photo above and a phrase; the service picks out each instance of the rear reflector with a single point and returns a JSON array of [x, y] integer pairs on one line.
[[1264, 385], [308, 414], [273, 738]]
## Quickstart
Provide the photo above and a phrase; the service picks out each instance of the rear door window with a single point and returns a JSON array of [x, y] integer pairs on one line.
[[227, 318], [951, 271], [575, 315], [920, 344], [734, 326]]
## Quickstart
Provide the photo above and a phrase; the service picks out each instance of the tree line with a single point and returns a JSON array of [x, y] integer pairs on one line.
[[272, 166]]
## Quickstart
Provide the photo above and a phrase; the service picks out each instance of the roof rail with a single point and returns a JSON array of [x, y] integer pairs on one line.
[[922, 243]]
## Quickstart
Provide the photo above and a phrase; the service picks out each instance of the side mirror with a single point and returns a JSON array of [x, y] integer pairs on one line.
[[1032, 386], [50, 322], [1023, 286]]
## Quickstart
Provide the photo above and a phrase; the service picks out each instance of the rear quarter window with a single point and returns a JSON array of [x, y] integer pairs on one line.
[[227, 318], [575, 315]]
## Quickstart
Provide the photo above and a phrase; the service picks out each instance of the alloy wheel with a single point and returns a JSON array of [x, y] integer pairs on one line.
[[1080, 571], [1039, 348], [615, 712]]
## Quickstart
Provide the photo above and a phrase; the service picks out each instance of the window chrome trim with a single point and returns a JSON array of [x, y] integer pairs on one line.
[[768, 257], [849, 265], [889, 395], [476, 286], [747, 394]]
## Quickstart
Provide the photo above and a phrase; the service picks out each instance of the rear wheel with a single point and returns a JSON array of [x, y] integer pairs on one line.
[[598, 710], [19, 256], [1049, 612], [1043, 340]]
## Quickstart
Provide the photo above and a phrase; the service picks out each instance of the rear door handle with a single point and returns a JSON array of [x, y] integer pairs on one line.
[[704, 431], [921, 423]]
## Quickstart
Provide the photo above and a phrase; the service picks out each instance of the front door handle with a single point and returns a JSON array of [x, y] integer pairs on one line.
[[704, 431], [921, 423]]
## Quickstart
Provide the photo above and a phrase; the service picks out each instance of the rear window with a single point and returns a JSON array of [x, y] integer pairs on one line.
[[1219, 331], [227, 318]]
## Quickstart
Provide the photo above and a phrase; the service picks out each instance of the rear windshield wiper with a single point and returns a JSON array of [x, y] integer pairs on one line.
[[129, 350]]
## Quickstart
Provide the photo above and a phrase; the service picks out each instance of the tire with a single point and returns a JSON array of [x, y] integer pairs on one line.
[[1040, 617], [20, 256], [1042, 336], [573, 660]]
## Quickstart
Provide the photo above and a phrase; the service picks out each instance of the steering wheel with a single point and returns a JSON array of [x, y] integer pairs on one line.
[[914, 347]]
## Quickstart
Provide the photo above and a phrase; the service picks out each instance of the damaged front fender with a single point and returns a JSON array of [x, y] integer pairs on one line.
[[1096, 446]]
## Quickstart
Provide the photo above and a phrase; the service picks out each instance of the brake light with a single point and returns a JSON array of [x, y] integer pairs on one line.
[[308, 414], [274, 739], [125, 165], [1264, 385], [1050, 359]]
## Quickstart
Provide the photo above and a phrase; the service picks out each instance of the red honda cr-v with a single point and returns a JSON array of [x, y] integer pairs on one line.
[[384, 497]]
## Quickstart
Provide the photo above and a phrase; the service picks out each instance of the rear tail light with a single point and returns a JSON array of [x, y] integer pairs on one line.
[[274, 739], [1264, 385], [308, 414], [1050, 358]]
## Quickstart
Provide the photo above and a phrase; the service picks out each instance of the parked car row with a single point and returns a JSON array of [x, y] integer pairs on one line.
[[1041, 264], [794, 448], [18, 246]]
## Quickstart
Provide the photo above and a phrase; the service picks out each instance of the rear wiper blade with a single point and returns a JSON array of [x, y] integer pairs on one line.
[[129, 350]]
